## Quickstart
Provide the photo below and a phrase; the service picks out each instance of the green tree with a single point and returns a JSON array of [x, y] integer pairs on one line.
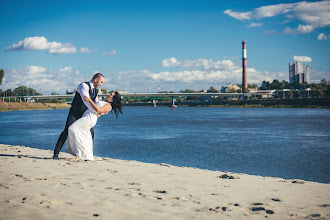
[[285, 84], [328, 90], [323, 83], [264, 85], [23, 90], [54, 93], [2, 74], [189, 91], [9, 92], [251, 86], [275, 84]]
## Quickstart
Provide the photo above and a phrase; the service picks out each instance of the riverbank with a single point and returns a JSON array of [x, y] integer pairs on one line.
[[261, 103], [19, 106], [33, 186], [269, 103]]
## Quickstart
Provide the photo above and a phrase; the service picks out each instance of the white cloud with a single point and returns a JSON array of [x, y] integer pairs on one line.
[[255, 25], [209, 72], [110, 53], [35, 69], [193, 74], [200, 63], [238, 15], [312, 14], [322, 36], [65, 71], [38, 77], [87, 50], [301, 29], [302, 59], [41, 43]]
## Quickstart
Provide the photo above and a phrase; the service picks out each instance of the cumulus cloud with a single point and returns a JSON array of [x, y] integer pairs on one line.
[[41, 43], [255, 25], [38, 77], [110, 53], [87, 50], [322, 36], [239, 15], [312, 14], [302, 59], [200, 63], [35, 69], [208, 72], [301, 29]]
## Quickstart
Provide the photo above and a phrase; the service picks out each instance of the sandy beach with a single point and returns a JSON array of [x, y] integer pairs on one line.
[[18, 106], [33, 186]]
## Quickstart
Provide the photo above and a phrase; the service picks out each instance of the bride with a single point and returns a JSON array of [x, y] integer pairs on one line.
[[80, 142]]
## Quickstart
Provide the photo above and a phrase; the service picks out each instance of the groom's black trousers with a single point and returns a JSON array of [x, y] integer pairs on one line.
[[72, 117]]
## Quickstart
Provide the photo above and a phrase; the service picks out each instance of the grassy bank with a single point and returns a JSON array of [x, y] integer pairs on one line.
[[17, 106]]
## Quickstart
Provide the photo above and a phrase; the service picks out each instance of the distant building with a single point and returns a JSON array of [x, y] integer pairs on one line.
[[68, 92], [298, 73], [307, 74], [230, 88]]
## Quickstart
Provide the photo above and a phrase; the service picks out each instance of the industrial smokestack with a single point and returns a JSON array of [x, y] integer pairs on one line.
[[244, 79]]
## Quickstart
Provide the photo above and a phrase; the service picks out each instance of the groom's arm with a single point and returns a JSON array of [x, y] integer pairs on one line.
[[83, 90]]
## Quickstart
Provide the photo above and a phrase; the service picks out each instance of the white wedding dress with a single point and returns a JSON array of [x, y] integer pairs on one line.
[[79, 141]]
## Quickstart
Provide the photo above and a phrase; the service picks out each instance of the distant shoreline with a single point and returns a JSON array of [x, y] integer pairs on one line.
[[17, 106], [317, 103]]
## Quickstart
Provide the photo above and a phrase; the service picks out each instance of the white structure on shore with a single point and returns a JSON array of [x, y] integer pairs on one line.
[[298, 73]]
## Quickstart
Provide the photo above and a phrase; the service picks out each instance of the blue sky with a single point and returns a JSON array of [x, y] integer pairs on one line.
[[139, 45]]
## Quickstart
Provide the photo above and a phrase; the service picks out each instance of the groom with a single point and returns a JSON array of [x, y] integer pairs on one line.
[[79, 106]]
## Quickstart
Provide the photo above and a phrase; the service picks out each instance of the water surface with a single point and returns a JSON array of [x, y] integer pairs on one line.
[[287, 143]]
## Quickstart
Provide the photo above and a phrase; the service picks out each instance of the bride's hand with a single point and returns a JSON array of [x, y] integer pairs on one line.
[[87, 99]]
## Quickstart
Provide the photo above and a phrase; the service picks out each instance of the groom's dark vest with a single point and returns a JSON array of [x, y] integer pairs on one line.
[[78, 107]]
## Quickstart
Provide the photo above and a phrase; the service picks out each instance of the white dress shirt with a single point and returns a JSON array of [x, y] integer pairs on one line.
[[83, 90]]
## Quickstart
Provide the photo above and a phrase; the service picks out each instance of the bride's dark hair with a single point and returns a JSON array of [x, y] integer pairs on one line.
[[116, 104]]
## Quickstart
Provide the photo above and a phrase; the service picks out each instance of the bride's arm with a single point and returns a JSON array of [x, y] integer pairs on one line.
[[106, 108]]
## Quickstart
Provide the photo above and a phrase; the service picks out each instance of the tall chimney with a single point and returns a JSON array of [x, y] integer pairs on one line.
[[244, 79]]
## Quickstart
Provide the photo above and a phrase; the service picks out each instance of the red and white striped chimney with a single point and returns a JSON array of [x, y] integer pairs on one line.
[[244, 79]]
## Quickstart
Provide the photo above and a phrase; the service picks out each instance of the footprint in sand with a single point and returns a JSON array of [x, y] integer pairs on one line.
[[160, 191], [219, 209], [136, 184], [260, 208], [47, 202]]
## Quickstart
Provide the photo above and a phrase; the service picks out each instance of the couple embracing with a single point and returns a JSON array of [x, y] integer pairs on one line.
[[85, 110]]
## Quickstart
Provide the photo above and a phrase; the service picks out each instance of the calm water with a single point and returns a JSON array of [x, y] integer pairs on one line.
[[287, 143]]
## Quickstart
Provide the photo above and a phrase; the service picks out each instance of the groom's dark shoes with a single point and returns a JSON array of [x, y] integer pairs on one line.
[[55, 157]]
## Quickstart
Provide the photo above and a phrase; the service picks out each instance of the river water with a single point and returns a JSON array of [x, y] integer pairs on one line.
[[286, 142]]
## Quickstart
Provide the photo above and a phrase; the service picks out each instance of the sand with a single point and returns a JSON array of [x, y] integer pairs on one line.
[[33, 186], [17, 106]]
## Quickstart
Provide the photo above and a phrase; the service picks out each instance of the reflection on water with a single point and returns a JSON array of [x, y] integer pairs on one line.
[[287, 143]]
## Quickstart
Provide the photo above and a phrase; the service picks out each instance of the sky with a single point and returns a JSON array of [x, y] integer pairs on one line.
[[176, 45]]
